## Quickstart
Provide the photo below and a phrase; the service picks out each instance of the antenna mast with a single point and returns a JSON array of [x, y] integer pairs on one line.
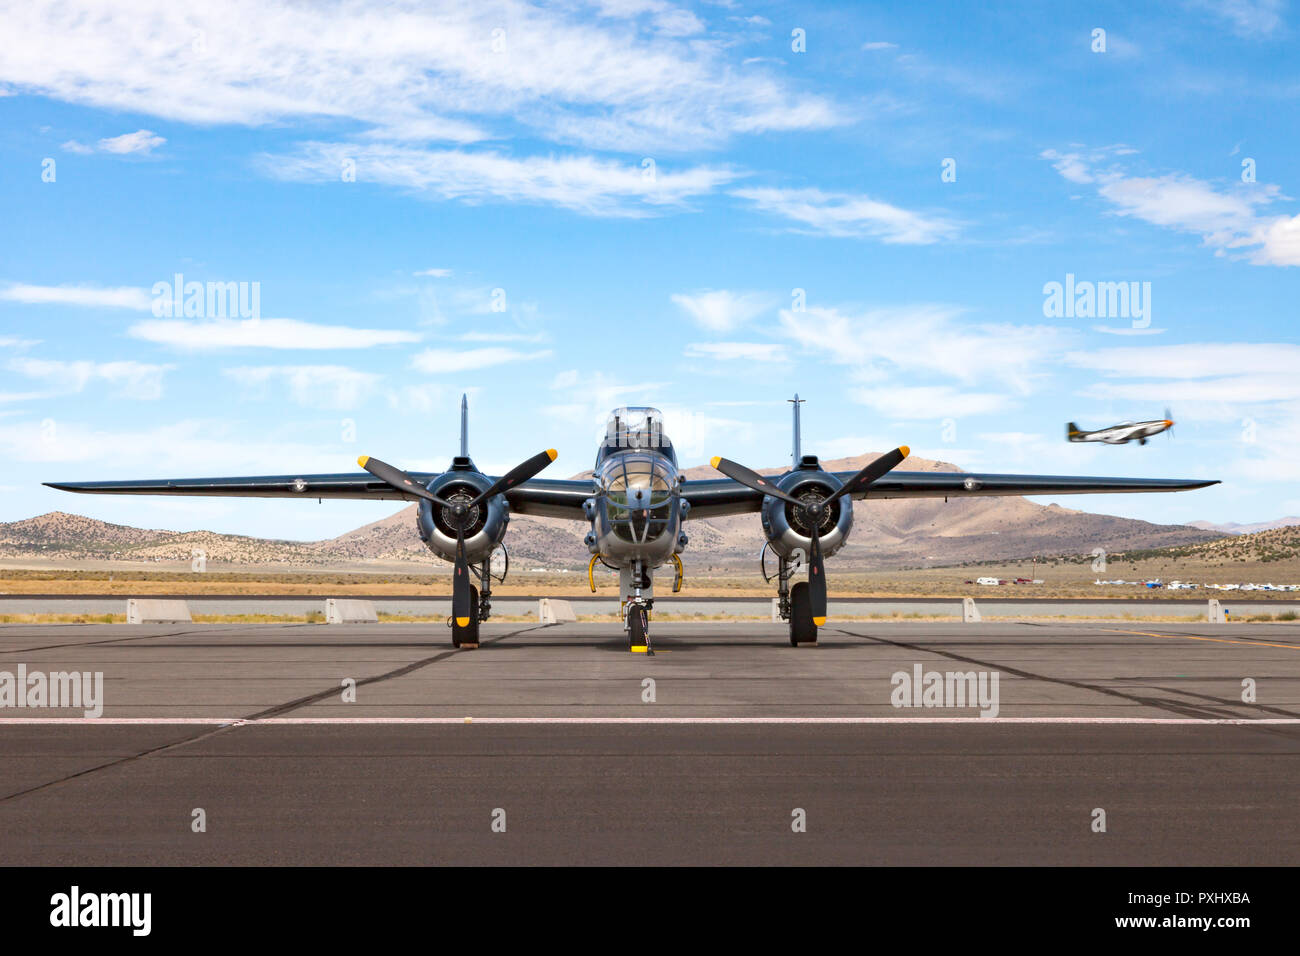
[[795, 452], [464, 426]]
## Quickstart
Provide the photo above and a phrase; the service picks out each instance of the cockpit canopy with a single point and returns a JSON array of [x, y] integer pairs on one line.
[[636, 426]]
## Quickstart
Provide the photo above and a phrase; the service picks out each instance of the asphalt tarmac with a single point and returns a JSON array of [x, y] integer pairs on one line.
[[547, 745]]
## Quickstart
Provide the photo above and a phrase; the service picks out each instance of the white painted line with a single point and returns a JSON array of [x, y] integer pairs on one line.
[[303, 721]]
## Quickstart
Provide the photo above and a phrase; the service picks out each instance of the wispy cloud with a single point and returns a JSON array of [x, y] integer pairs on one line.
[[312, 386], [129, 379], [1226, 218], [596, 187], [141, 141], [850, 215], [444, 361], [121, 297], [641, 75], [265, 334], [738, 351], [721, 310], [1249, 18]]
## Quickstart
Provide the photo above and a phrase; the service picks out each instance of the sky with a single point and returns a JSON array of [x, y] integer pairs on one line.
[[560, 208]]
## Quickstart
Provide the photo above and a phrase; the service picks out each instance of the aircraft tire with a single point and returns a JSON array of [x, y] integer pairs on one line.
[[467, 635], [637, 626], [802, 628]]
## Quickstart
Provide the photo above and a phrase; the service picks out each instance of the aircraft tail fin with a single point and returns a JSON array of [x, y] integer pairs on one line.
[[1072, 431], [464, 426], [796, 445]]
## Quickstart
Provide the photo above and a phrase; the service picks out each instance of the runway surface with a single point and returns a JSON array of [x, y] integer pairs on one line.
[[554, 732]]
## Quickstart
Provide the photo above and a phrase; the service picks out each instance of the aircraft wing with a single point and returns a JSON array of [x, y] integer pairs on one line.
[[715, 497], [540, 496]]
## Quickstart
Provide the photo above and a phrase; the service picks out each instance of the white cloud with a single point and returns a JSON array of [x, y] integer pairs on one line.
[[737, 351], [928, 340], [406, 68], [312, 386], [121, 297], [1192, 360], [584, 184], [1226, 218], [72, 146], [850, 215], [434, 273], [912, 403], [265, 334], [141, 141], [186, 448], [880, 45], [721, 310], [1249, 18], [442, 361], [130, 379]]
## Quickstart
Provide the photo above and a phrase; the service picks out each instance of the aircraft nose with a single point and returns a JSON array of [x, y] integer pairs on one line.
[[1168, 423]]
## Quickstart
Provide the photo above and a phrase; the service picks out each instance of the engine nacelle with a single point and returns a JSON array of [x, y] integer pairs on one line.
[[487, 520], [785, 525]]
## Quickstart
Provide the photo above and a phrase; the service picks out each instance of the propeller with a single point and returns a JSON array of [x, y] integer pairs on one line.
[[460, 596], [814, 511], [1169, 417]]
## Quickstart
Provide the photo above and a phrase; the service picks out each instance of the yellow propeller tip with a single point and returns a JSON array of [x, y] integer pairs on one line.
[[462, 622], [551, 453], [714, 460], [819, 621], [905, 450], [362, 460], [638, 648]]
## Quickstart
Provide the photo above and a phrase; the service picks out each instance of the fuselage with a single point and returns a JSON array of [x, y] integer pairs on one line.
[[635, 510]]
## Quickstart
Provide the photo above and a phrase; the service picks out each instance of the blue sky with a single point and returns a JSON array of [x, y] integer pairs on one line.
[[567, 207]]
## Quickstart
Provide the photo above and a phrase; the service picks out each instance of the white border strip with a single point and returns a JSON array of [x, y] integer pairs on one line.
[[380, 721]]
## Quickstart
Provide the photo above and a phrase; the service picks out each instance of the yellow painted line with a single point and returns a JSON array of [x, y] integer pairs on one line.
[[1194, 637]]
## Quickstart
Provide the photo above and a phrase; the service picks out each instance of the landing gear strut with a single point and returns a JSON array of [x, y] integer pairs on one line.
[[636, 610], [480, 606], [793, 603]]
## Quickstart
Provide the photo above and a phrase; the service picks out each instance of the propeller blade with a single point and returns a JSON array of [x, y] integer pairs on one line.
[[817, 576], [517, 474], [398, 479], [460, 597], [752, 479], [863, 479]]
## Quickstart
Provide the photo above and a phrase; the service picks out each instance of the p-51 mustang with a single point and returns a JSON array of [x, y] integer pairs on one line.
[[1122, 433], [637, 504]]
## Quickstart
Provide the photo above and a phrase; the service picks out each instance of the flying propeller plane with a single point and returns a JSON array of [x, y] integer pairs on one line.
[[637, 503], [1124, 432]]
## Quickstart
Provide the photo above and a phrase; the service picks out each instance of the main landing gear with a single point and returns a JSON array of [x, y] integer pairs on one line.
[[793, 603], [480, 605]]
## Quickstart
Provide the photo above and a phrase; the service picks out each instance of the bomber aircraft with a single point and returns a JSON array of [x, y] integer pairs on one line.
[[1122, 433], [637, 503]]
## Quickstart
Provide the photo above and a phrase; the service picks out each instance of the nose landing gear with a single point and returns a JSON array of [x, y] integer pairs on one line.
[[638, 599]]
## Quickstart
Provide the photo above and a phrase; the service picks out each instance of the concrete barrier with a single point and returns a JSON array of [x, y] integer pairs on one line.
[[555, 611], [1214, 613], [149, 611], [970, 614], [350, 611]]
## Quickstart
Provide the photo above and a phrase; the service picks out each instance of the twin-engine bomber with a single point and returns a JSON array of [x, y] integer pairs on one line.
[[637, 504]]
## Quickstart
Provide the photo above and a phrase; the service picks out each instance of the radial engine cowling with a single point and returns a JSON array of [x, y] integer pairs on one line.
[[786, 526], [485, 525]]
